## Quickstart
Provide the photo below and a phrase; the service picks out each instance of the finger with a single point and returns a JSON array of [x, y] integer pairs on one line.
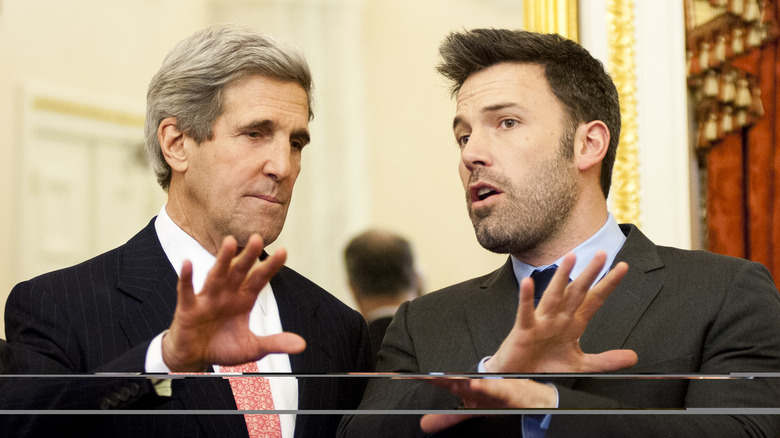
[[455, 385], [262, 272], [591, 272], [579, 287], [248, 256], [494, 393], [525, 309], [286, 343], [484, 393], [184, 288], [554, 297], [607, 361], [515, 393], [432, 423], [599, 293], [224, 256]]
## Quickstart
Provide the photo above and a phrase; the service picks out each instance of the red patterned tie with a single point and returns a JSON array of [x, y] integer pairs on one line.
[[254, 393]]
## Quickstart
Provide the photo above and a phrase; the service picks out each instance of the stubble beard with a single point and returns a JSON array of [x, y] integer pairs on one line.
[[533, 211]]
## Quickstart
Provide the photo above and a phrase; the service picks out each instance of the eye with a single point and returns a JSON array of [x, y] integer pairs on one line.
[[462, 140], [297, 145], [508, 123], [253, 134]]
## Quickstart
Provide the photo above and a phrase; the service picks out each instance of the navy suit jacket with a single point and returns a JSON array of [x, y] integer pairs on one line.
[[683, 312], [99, 316]]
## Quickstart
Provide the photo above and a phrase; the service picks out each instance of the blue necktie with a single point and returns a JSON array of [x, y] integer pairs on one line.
[[541, 280]]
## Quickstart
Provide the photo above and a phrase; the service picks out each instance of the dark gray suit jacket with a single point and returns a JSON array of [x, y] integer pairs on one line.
[[100, 315], [683, 312]]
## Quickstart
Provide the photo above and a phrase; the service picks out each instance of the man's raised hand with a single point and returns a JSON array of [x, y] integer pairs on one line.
[[212, 327], [546, 339]]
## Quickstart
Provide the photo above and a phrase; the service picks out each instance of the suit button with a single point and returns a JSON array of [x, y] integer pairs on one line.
[[109, 402], [135, 389], [124, 394]]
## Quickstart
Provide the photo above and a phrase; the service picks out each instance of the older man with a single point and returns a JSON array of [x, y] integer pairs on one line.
[[227, 120]]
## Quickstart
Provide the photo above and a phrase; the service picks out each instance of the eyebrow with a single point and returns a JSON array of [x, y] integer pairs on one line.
[[301, 135], [488, 109]]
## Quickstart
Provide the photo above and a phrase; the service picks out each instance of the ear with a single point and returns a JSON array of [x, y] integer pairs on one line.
[[172, 144], [591, 144]]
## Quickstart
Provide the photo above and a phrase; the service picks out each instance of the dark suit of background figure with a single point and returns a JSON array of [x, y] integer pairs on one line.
[[376, 332], [683, 312], [101, 315]]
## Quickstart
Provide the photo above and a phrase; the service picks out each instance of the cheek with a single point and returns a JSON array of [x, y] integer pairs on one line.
[[464, 174], [295, 170]]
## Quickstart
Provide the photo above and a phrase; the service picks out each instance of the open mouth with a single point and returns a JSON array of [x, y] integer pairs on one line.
[[483, 191]]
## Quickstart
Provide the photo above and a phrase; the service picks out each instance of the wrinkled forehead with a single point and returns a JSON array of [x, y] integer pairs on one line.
[[273, 98]]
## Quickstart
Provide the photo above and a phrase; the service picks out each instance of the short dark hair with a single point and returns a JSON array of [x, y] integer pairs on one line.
[[380, 263], [577, 79]]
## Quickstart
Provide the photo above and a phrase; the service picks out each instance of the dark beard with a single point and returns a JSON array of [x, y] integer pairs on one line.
[[532, 213]]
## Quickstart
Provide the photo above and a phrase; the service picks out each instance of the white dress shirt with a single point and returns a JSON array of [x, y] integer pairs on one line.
[[263, 319]]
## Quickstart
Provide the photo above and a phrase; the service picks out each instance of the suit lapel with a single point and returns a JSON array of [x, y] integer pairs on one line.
[[297, 311], [491, 310], [147, 276], [619, 314]]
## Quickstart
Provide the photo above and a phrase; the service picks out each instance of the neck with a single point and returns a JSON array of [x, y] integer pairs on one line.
[[368, 304], [178, 209], [585, 220]]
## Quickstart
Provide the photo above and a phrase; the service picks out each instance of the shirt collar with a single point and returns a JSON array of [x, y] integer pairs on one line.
[[180, 246], [609, 238]]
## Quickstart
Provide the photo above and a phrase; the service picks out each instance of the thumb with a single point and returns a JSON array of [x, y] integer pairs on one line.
[[611, 360], [286, 342]]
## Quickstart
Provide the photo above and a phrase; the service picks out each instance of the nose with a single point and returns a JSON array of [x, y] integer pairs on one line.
[[476, 152], [278, 159]]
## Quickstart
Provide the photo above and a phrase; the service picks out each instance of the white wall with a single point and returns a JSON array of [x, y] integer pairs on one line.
[[102, 51], [382, 154]]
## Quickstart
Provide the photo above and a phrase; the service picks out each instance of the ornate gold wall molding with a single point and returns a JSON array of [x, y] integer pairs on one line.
[[622, 67], [552, 16]]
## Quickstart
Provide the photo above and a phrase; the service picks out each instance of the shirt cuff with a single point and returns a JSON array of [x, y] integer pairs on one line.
[[481, 366], [154, 364], [154, 357]]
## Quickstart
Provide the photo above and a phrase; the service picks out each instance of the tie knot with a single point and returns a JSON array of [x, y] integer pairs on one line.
[[541, 279]]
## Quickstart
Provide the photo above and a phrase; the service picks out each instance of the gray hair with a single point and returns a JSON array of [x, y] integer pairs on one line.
[[191, 80]]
